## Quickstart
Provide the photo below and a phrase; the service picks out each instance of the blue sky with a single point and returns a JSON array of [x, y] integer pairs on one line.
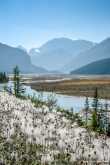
[[32, 22]]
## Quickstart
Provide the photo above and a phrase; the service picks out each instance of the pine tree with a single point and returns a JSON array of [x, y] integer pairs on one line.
[[3, 77], [18, 90], [95, 115], [108, 130], [106, 118], [95, 101], [86, 110]]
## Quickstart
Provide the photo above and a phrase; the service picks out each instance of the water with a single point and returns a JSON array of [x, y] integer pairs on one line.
[[2, 86], [76, 103], [64, 101]]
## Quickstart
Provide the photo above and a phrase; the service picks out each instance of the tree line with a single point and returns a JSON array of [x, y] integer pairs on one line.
[[3, 77]]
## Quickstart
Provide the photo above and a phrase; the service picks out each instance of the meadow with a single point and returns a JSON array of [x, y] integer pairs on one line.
[[35, 133]]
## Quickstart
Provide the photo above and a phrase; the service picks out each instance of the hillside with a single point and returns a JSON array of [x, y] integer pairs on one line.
[[97, 67], [10, 57], [98, 52], [31, 136], [54, 54]]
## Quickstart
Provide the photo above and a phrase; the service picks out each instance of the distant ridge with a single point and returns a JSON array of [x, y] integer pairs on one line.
[[98, 52], [10, 57], [97, 67], [55, 53]]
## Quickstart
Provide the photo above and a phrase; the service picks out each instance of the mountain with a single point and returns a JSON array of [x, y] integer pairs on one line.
[[97, 67], [22, 48], [10, 57], [54, 54], [98, 52]]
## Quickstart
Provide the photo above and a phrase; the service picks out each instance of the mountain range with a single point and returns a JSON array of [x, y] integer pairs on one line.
[[10, 57], [57, 56], [56, 53], [75, 56], [98, 52]]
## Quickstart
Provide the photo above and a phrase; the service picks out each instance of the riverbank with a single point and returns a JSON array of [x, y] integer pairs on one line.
[[77, 86], [37, 135]]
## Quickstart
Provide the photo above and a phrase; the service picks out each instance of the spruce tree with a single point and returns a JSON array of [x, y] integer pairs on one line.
[[95, 115], [106, 118], [18, 90], [86, 110], [3, 77]]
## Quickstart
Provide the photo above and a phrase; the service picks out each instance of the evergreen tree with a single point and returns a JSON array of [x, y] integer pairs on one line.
[[95, 114], [108, 130], [86, 110], [101, 119], [18, 90], [95, 101], [106, 118], [3, 77]]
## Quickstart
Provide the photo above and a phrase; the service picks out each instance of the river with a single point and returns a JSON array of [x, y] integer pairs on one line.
[[76, 103]]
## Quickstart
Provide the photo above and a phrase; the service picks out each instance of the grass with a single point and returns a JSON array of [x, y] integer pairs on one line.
[[78, 87]]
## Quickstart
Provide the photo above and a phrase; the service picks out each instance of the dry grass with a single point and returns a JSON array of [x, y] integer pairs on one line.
[[83, 87]]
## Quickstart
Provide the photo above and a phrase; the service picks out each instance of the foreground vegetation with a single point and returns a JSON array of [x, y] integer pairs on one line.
[[37, 132], [34, 134]]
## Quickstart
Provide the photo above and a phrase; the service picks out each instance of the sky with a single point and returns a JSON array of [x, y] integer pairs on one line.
[[31, 23]]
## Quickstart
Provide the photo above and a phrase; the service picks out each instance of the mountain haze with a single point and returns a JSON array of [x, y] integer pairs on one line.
[[54, 54], [10, 57], [97, 67], [22, 48], [98, 52]]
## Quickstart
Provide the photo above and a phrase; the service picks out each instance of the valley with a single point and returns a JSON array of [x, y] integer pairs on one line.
[[82, 85], [55, 82]]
